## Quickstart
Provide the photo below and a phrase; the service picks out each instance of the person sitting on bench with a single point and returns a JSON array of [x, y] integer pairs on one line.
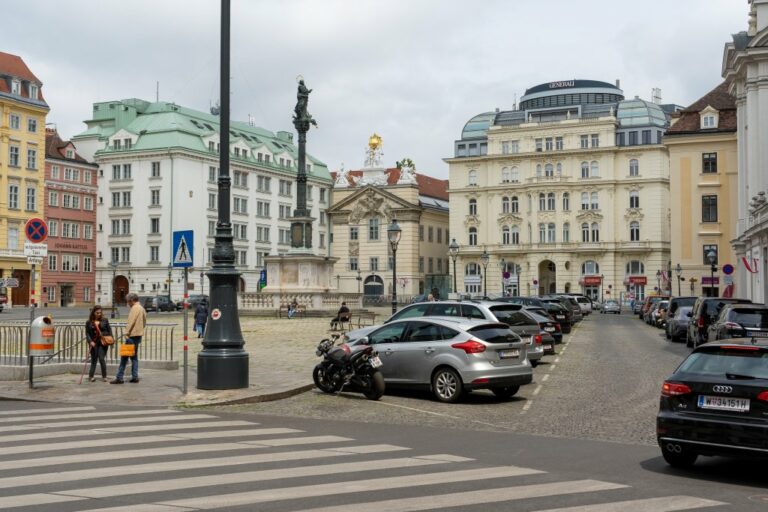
[[343, 315]]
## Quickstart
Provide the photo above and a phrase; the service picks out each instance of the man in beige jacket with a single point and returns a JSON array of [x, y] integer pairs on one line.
[[134, 330]]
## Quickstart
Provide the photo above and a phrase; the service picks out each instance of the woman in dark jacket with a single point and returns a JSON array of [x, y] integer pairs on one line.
[[201, 317], [96, 327]]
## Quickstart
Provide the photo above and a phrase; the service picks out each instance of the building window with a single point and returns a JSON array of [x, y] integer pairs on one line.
[[585, 169], [472, 178], [551, 201], [634, 167], [566, 201], [154, 225], [585, 201], [33, 91], [595, 140], [515, 235], [549, 170], [559, 143], [633, 138], [595, 232], [13, 197], [505, 175], [707, 249], [505, 204], [31, 199], [594, 204], [634, 268], [87, 232], [708, 121], [87, 267], [88, 203], [155, 169], [473, 206], [542, 233], [13, 237], [590, 267], [551, 233], [13, 156], [14, 120], [125, 254], [155, 197], [421, 233], [154, 253], [514, 175], [70, 262], [472, 236], [373, 228], [584, 141], [539, 144], [542, 202], [566, 232], [431, 265], [505, 235], [353, 233], [439, 235], [285, 188], [594, 169], [634, 199], [514, 205], [634, 231], [53, 199], [374, 264], [125, 224], [708, 208], [709, 162], [430, 234], [548, 144], [32, 124], [538, 170], [353, 263], [51, 262], [322, 195], [585, 232], [211, 201], [53, 228]]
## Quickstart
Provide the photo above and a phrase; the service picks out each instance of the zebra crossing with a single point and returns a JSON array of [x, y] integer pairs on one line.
[[67, 459]]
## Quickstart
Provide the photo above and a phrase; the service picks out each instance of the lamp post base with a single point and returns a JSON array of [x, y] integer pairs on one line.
[[222, 369]]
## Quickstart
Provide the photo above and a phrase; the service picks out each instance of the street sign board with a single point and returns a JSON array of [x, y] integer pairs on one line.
[[36, 230], [35, 249], [183, 248], [728, 269], [727, 280], [9, 282], [35, 260]]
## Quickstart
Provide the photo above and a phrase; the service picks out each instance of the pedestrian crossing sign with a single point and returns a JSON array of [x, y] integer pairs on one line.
[[183, 248]]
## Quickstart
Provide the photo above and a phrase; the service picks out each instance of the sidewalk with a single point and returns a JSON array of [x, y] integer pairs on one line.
[[282, 356]]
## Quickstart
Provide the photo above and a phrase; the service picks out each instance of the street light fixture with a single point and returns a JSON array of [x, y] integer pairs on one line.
[[170, 280], [503, 266], [393, 234], [359, 280], [602, 278], [712, 258], [453, 251], [679, 274], [484, 260], [113, 264]]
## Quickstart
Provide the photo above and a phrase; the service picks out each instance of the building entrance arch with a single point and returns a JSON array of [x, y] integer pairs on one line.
[[120, 290], [547, 277], [373, 285]]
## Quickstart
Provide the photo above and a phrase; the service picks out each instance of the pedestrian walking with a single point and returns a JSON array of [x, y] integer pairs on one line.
[[342, 315], [134, 330], [96, 329], [201, 317]]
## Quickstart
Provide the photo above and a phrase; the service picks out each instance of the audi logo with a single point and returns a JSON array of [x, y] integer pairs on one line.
[[722, 389]]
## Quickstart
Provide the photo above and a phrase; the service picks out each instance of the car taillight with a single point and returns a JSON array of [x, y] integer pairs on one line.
[[763, 396], [733, 326], [470, 347], [557, 326], [674, 389], [537, 339], [700, 322]]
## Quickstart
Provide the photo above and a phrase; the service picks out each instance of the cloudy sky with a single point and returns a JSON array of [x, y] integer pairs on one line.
[[414, 71]]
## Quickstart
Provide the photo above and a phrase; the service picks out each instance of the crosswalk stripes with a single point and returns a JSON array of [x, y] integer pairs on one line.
[[171, 460]]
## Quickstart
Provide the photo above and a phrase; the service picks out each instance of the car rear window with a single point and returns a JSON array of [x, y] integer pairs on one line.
[[750, 317], [716, 362], [504, 313], [713, 307], [494, 334], [517, 319], [472, 312]]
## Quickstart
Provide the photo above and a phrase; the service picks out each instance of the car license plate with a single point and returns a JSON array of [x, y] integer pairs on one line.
[[504, 354], [549, 329], [724, 403], [375, 361], [547, 347], [758, 334], [560, 317]]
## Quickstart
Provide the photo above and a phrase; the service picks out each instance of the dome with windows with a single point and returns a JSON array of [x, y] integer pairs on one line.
[[477, 127], [639, 112]]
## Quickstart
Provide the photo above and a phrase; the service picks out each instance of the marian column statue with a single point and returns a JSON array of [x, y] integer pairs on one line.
[[301, 227]]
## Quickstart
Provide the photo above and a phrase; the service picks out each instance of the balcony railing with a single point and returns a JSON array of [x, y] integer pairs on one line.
[[11, 253]]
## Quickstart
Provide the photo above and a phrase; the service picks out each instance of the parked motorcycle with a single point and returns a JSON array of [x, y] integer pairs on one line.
[[343, 366]]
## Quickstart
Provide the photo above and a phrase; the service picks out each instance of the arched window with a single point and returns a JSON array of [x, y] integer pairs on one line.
[[505, 235], [634, 167], [542, 233], [538, 170], [472, 178], [595, 232], [505, 204], [566, 201], [515, 235], [585, 169], [549, 170], [559, 169], [594, 170], [514, 175], [472, 269], [634, 231], [635, 268], [590, 268], [551, 233], [473, 206], [566, 232], [472, 236], [634, 199], [584, 201], [542, 202], [504, 175], [594, 203], [551, 201], [585, 232], [514, 205]]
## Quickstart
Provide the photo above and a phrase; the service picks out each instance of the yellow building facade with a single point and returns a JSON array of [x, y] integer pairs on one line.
[[703, 157], [22, 172]]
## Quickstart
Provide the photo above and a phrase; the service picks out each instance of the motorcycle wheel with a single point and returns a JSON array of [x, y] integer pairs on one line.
[[375, 386], [318, 375]]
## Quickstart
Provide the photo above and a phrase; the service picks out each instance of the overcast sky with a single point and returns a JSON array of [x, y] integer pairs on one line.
[[414, 71]]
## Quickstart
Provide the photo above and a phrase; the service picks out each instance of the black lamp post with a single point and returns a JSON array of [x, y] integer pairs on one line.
[[602, 278], [393, 234], [712, 258], [503, 267], [484, 260], [113, 264], [453, 251], [679, 274], [170, 280], [223, 363], [658, 282], [359, 280]]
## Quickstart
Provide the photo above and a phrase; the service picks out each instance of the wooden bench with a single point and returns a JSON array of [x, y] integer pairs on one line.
[[365, 319], [300, 310]]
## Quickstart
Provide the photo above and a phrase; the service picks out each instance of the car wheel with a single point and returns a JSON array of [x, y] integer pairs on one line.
[[535, 363], [506, 391], [688, 342], [446, 385], [684, 458]]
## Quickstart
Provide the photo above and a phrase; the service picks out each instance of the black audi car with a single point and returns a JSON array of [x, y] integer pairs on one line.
[[716, 403]]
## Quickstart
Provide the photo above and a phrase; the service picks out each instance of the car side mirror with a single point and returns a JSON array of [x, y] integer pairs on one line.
[[365, 340]]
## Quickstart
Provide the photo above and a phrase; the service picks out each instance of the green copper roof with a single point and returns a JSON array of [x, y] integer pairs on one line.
[[163, 125]]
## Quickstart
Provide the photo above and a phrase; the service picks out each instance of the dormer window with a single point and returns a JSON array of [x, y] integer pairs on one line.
[[33, 91], [709, 118], [70, 154], [15, 87], [116, 143], [708, 122]]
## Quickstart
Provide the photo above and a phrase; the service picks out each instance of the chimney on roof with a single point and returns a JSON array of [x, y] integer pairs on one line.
[[656, 95], [497, 110], [618, 83]]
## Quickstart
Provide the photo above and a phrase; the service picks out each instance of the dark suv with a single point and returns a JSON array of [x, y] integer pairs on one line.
[[740, 320], [705, 311]]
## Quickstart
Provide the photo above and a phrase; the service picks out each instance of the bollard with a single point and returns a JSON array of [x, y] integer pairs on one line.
[[41, 341]]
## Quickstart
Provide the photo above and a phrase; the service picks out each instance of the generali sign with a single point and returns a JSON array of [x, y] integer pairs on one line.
[[559, 85]]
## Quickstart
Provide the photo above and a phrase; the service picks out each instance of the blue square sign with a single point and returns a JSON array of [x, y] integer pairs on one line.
[[183, 248]]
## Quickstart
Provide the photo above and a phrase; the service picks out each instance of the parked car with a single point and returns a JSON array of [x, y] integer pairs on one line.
[[156, 303], [450, 356], [740, 321], [705, 311], [611, 306], [676, 302], [570, 303], [585, 303], [677, 324], [193, 301], [649, 301], [657, 315], [561, 312], [522, 323], [716, 403], [637, 308], [524, 301], [551, 332]]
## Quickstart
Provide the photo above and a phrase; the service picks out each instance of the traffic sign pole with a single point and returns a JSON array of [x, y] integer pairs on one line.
[[29, 332], [186, 330]]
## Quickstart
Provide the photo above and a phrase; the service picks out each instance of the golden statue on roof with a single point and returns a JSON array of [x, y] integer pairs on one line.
[[374, 142]]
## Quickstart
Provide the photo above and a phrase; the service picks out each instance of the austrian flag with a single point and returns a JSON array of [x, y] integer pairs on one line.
[[753, 269]]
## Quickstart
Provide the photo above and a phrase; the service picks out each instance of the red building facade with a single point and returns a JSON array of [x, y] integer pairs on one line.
[[69, 276]]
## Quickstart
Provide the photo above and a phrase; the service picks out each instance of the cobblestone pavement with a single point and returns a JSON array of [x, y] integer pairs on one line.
[[603, 385]]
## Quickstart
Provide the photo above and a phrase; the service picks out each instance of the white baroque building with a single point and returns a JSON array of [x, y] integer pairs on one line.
[[158, 166], [569, 192]]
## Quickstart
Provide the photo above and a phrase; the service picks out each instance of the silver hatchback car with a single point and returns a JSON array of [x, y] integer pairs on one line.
[[450, 356]]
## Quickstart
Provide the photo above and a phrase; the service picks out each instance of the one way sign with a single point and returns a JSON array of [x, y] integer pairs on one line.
[[183, 248]]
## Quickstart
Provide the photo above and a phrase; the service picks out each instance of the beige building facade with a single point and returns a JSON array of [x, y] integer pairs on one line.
[[703, 158], [567, 193]]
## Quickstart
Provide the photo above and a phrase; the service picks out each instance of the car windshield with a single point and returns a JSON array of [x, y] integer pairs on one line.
[[682, 312], [494, 333], [721, 361], [611, 303], [750, 317]]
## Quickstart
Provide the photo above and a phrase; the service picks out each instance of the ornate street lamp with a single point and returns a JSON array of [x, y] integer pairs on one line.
[[712, 258], [223, 363], [484, 260], [113, 264], [453, 251], [602, 278], [679, 274], [359, 280], [503, 266], [393, 234]]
